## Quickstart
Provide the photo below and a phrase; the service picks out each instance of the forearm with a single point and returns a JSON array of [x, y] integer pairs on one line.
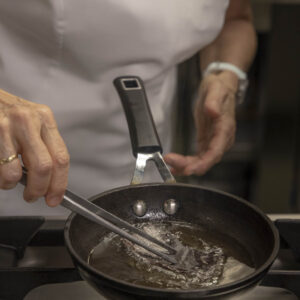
[[235, 44], [215, 107]]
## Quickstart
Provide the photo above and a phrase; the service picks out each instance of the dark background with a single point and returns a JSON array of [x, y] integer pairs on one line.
[[264, 164]]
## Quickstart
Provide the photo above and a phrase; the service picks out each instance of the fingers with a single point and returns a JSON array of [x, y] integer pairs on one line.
[[47, 160], [179, 163], [201, 163], [29, 129], [37, 161], [60, 160], [219, 144], [216, 132]]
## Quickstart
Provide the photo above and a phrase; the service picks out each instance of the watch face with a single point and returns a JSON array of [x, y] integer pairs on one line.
[[243, 84]]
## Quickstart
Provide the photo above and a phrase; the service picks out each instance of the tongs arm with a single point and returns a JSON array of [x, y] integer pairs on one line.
[[99, 215], [102, 217]]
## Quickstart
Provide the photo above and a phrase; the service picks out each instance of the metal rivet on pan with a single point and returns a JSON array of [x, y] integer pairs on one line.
[[170, 206], [139, 208]]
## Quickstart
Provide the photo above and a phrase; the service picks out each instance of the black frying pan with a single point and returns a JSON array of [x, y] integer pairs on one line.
[[243, 226]]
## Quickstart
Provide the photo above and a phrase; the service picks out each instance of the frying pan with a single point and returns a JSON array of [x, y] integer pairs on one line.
[[239, 223]]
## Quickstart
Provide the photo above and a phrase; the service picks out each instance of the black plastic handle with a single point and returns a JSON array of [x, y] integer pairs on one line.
[[143, 134]]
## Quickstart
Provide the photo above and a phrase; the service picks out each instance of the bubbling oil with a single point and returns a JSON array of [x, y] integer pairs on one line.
[[220, 259]]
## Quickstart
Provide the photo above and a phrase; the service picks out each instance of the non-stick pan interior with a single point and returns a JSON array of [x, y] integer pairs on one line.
[[249, 230]]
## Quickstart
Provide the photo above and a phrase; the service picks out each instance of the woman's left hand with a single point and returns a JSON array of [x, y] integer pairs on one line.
[[215, 124]]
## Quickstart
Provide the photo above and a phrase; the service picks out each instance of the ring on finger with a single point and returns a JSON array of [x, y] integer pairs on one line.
[[8, 159]]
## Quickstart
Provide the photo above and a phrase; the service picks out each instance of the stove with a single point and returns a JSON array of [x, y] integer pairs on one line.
[[35, 265]]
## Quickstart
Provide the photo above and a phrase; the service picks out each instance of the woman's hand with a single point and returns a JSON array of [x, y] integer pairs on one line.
[[215, 110], [215, 124], [29, 129]]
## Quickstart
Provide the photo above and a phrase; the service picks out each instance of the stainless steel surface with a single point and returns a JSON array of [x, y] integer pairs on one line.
[[274, 217], [45, 257], [100, 216], [81, 290], [170, 206], [139, 208], [162, 167]]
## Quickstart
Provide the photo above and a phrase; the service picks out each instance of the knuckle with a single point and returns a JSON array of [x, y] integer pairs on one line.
[[211, 105], [44, 110], [208, 106], [45, 113], [210, 102], [43, 167], [4, 127], [22, 114], [62, 159]]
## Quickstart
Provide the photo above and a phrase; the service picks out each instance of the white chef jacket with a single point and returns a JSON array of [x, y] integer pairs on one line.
[[66, 54]]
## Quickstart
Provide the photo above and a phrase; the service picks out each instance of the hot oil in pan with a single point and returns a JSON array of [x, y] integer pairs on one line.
[[220, 260]]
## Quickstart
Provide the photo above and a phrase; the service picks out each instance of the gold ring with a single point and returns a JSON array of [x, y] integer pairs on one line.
[[8, 160]]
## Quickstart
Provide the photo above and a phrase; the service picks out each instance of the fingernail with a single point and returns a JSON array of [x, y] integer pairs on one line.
[[31, 200], [53, 201]]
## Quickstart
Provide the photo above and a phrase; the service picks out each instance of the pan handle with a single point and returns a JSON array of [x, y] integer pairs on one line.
[[143, 134]]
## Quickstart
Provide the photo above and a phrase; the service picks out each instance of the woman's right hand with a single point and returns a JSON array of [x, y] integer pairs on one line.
[[29, 129]]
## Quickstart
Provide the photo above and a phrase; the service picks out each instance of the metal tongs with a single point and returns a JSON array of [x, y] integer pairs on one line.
[[110, 221], [146, 146]]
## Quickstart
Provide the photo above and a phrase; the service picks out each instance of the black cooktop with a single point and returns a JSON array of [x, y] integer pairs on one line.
[[32, 254]]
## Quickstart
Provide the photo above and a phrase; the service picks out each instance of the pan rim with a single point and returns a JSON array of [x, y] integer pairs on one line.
[[216, 290]]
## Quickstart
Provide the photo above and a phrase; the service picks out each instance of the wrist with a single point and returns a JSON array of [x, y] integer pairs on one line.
[[232, 76], [229, 79]]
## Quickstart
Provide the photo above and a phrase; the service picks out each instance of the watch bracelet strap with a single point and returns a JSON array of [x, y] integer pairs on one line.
[[242, 76]]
